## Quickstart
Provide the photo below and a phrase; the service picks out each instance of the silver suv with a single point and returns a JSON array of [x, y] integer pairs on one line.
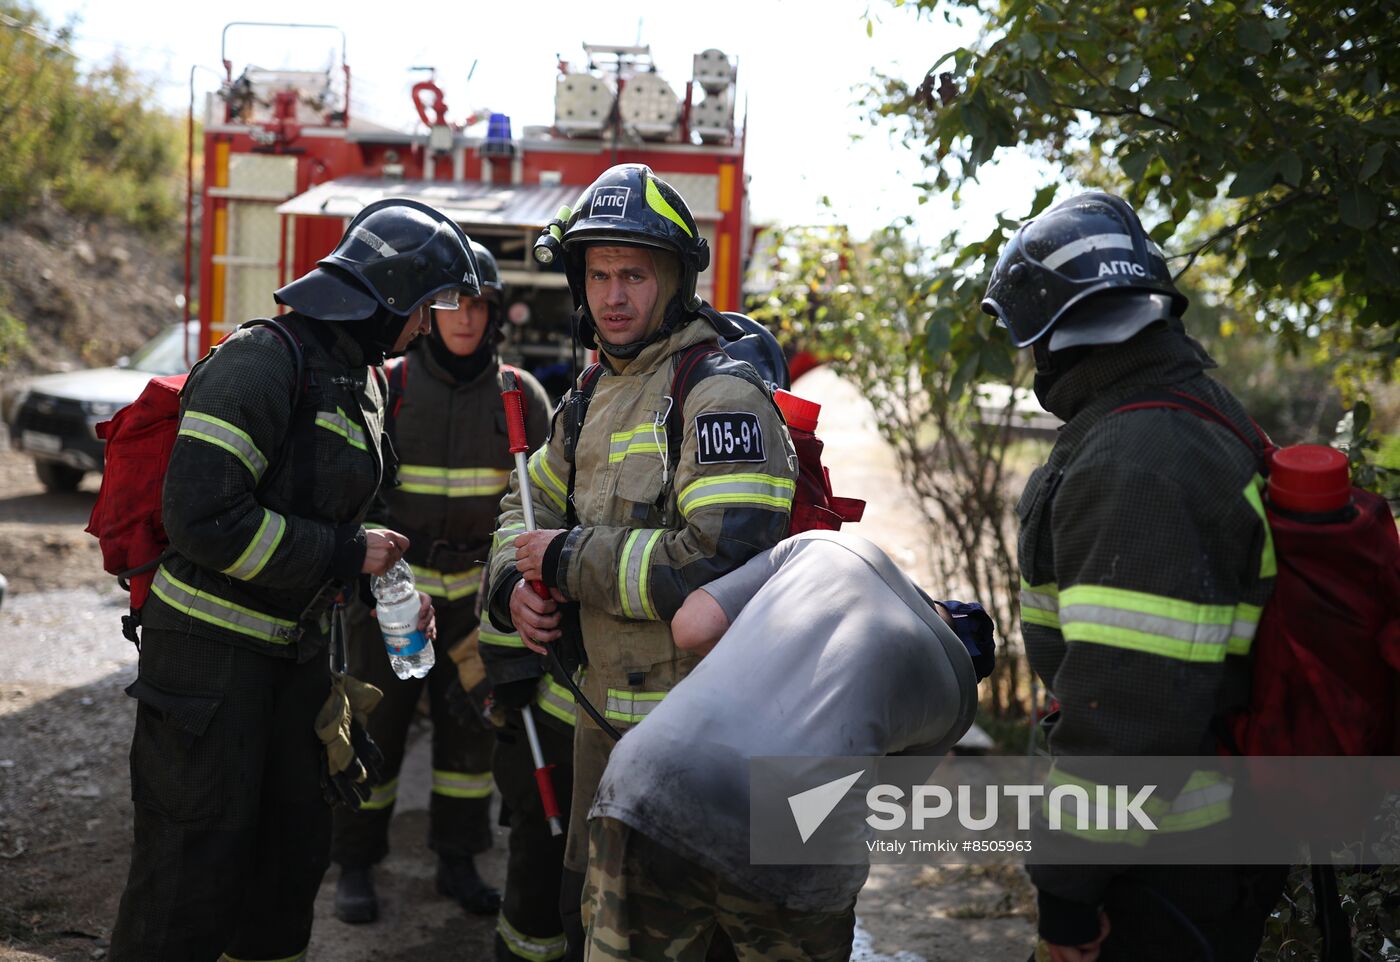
[[54, 417]]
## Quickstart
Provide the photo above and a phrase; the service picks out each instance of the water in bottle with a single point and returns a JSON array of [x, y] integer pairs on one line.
[[410, 654]]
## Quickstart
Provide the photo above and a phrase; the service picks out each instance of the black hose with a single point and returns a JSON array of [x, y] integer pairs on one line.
[[557, 668]]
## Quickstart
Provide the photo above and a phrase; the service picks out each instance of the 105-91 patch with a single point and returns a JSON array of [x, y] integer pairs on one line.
[[728, 437]]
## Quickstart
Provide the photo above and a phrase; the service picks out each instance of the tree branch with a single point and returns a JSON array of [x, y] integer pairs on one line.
[[1125, 112], [1234, 228]]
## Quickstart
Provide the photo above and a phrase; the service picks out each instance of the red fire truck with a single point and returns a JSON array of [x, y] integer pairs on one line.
[[287, 164]]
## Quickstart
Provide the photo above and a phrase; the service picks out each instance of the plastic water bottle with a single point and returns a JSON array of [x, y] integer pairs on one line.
[[410, 655]]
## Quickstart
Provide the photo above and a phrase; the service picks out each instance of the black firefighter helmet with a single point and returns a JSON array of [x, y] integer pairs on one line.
[[630, 205], [493, 289], [395, 255], [1084, 272], [760, 349]]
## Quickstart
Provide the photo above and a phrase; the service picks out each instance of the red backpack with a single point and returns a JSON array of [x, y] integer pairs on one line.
[[1326, 655], [126, 519], [814, 506]]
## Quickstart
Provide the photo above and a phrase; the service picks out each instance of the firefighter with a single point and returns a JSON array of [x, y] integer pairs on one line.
[[529, 925], [1145, 558], [669, 861], [447, 424], [629, 527], [264, 497]]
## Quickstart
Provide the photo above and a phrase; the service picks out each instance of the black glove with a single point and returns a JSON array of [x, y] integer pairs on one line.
[[515, 695], [352, 763]]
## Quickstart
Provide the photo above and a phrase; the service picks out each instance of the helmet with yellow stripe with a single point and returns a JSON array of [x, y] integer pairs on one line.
[[629, 205]]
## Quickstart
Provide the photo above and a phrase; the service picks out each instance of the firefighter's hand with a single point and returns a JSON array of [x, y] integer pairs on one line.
[[427, 617], [1088, 952], [536, 618], [382, 549], [530, 549]]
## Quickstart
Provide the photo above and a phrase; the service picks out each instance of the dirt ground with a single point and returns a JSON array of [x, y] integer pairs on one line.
[[65, 726]]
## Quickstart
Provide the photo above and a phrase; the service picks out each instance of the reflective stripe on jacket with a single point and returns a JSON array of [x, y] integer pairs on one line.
[[645, 540], [266, 481], [1145, 562], [454, 463]]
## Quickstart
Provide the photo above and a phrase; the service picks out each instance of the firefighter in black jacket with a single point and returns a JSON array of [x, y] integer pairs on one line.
[[1145, 560], [447, 423], [264, 497]]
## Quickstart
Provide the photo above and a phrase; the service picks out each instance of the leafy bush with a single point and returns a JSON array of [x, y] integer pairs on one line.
[[87, 139]]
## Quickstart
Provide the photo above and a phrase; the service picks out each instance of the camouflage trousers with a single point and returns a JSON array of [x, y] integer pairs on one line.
[[642, 901]]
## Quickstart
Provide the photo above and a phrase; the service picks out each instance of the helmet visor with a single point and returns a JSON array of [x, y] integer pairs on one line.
[[447, 299]]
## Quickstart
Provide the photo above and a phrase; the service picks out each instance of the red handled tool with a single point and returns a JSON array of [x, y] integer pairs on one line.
[[514, 400]]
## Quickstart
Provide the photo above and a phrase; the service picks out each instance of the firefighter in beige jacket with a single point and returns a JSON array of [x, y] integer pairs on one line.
[[647, 524]]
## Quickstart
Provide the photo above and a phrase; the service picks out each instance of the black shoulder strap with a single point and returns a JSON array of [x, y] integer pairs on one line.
[[1181, 401], [693, 365], [575, 411], [294, 347], [688, 373]]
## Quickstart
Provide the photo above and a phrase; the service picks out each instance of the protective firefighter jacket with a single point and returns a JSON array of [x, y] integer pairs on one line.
[[454, 464], [266, 489], [1145, 563], [645, 540]]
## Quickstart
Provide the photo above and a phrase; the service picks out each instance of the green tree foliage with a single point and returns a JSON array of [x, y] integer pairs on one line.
[[88, 140], [874, 311], [1264, 133]]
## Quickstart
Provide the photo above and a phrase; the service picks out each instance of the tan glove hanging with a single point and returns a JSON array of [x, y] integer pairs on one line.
[[466, 655], [352, 760]]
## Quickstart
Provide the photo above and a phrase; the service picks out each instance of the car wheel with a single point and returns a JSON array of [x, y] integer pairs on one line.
[[58, 478]]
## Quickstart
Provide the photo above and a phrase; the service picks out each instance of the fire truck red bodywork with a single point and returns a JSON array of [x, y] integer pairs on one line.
[[279, 188]]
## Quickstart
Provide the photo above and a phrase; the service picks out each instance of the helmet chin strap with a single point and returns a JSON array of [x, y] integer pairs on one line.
[[673, 318]]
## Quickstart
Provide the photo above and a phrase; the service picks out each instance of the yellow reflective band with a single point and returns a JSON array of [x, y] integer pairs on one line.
[[1242, 631], [761, 489], [299, 957], [338, 422], [462, 784], [1204, 801], [1268, 563], [1139, 621], [633, 574], [259, 551], [555, 699], [544, 479], [1040, 604], [532, 947], [217, 611], [452, 482], [631, 706], [658, 203], [643, 439], [449, 586], [381, 796], [506, 534], [499, 638], [224, 435]]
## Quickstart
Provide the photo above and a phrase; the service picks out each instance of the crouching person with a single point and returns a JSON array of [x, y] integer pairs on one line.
[[818, 646]]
